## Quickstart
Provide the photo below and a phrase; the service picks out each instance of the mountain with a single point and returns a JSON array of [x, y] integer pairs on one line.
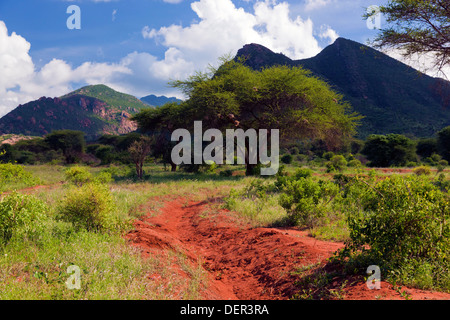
[[393, 97], [155, 101], [95, 110]]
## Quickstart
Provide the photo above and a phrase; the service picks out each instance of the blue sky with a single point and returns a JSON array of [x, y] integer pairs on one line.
[[138, 46]]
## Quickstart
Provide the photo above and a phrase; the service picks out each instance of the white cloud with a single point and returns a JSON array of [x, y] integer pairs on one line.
[[173, 1], [21, 82], [328, 33], [223, 28]]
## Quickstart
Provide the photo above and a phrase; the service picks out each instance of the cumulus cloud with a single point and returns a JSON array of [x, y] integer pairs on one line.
[[21, 82], [224, 28]]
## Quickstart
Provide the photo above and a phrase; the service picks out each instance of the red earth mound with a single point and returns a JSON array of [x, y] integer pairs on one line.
[[246, 263]]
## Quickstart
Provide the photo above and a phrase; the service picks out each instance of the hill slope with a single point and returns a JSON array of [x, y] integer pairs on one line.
[[94, 110], [155, 101], [393, 97]]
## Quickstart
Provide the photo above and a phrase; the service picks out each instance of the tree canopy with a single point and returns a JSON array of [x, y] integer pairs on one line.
[[234, 96], [417, 27]]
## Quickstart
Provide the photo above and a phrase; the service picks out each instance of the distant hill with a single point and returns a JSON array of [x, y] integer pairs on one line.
[[155, 101], [95, 110], [393, 97]]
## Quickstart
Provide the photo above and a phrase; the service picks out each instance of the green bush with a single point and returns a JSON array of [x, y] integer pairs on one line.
[[15, 174], [307, 201], [336, 163], [287, 159], [226, 173], [78, 175], [354, 163], [422, 170], [88, 207], [399, 222], [21, 216]]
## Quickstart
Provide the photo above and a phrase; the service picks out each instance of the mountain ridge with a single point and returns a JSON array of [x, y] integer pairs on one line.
[[393, 97]]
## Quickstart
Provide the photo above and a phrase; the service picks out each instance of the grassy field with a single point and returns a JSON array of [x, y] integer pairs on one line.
[[35, 267]]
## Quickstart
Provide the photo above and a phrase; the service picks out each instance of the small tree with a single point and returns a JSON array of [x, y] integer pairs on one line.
[[139, 151]]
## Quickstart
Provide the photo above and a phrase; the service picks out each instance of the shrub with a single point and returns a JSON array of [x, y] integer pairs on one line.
[[78, 175], [399, 222], [88, 207], [328, 155], [20, 216], [337, 162], [354, 163], [226, 173], [422, 170], [13, 174], [287, 159], [443, 163]]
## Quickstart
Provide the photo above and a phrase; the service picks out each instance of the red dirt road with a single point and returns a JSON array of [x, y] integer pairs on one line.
[[247, 263]]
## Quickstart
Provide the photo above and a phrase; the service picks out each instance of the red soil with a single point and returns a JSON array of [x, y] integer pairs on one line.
[[247, 263]]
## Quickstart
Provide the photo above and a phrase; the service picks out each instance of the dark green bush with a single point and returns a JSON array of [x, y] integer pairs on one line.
[[287, 159]]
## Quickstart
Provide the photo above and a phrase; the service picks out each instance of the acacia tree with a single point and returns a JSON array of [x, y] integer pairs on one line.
[[417, 27], [286, 98], [160, 122]]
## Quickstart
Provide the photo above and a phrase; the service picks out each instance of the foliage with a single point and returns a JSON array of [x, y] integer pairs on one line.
[[88, 207], [389, 150], [426, 147], [70, 142], [21, 216], [417, 27], [15, 174], [78, 175], [287, 159], [398, 222], [443, 143], [336, 163], [139, 151], [354, 163], [306, 200], [422, 170]]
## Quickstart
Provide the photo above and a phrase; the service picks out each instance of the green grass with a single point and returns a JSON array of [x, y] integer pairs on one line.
[[112, 269]]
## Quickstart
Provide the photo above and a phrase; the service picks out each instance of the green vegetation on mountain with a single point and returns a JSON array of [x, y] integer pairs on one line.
[[392, 97], [95, 110], [111, 97]]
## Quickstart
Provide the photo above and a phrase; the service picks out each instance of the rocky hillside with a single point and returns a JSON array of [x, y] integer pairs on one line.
[[94, 110]]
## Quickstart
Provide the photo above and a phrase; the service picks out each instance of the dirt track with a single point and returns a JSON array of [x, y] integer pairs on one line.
[[247, 263]]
